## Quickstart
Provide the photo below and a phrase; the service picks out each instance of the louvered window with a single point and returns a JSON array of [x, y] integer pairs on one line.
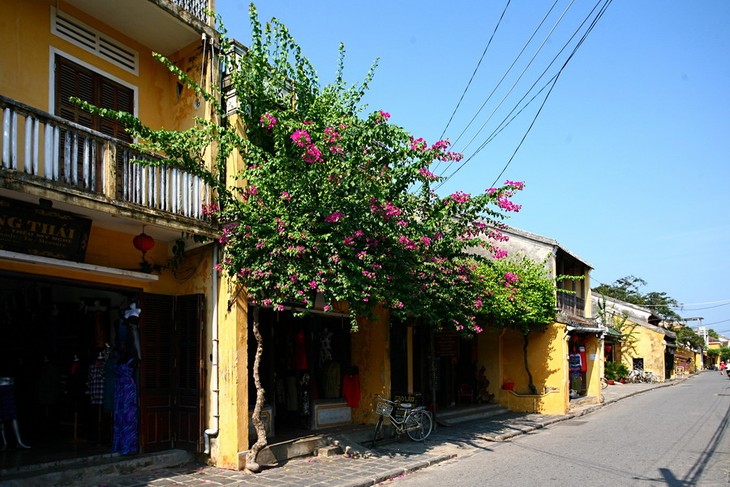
[[88, 38], [75, 80]]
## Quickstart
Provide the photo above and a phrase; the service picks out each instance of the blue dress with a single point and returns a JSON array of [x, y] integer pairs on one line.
[[126, 434]]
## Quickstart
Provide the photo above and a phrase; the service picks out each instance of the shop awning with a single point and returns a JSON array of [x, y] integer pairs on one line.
[[76, 266]]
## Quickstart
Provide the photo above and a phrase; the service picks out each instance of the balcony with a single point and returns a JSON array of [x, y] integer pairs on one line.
[[571, 305], [44, 150], [164, 26]]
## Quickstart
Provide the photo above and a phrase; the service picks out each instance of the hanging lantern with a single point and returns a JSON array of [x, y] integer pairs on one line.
[[144, 244]]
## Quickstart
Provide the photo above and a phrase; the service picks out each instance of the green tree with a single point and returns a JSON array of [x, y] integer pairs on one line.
[[687, 337], [725, 353], [332, 202], [519, 294], [627, 289]]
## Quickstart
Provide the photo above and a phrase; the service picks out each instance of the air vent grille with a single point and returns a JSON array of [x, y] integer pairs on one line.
[[88, 38]]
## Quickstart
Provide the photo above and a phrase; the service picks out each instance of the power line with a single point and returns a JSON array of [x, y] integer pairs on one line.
[[551, 82], [499, 83], [489, 43], [524, 70]]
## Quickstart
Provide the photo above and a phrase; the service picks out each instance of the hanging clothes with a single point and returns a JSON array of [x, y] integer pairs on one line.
[[300, 351], [110, 384], [126, 435], [95, 382], [351, 389]]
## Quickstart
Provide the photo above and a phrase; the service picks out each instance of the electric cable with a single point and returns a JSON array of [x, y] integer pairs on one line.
[[551, 82], [468, 84]]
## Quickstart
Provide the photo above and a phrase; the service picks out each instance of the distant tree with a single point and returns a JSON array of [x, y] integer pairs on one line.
[[712, 333], [624, 289], [686, 336], [627, 289], [725, 353]]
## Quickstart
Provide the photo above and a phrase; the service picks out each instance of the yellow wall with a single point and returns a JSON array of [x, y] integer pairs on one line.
[[649, 345], [25, 34], [501, 353], [371, 354]]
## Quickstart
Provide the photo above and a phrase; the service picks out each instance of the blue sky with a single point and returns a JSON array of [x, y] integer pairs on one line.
[[627, 164]]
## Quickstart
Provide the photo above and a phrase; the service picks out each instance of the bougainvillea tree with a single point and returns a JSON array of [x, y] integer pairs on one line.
[[333, 203], [519, 294]]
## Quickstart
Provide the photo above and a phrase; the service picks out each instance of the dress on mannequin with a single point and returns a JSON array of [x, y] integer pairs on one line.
[[8, 411]]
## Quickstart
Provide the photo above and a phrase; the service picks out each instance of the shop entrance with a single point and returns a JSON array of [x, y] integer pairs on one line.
[[69, 345], [306, 362]]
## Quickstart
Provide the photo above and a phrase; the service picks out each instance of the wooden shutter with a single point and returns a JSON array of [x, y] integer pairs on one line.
[[72, 79], [172, 372], [156, 378], [187, 415]]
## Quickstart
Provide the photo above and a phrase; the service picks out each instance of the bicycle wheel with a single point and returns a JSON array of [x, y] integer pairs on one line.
[[419, 425], [378, 434]]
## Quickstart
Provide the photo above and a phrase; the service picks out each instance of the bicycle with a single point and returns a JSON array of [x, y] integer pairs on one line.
[[604, 383], [415, 421]]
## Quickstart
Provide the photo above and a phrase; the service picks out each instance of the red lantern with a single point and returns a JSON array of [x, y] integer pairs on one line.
[[143, 243]]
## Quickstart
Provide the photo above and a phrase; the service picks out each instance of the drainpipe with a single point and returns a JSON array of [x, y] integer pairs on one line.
[[214, 430]]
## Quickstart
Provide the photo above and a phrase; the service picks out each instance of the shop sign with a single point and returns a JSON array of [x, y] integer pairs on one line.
[[41, 230], [446, 344]]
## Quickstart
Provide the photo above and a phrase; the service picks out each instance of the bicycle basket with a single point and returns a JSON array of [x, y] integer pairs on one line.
[[383, 409]]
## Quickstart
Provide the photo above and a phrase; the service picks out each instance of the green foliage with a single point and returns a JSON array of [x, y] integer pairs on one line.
[[518, 294], [627, 289], [713, 352], [687, 337], [725, 353], [712, 333], [333, 202], [615, 371]]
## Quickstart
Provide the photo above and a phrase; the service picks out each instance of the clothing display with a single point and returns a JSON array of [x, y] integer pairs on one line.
[[126, 436], [95, 383], [351, 389]]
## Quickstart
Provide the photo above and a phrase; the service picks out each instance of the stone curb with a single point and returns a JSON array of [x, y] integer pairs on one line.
[[400, 471]]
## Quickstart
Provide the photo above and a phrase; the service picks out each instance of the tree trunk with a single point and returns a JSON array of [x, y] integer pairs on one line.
[[251, 464], [530, 384]]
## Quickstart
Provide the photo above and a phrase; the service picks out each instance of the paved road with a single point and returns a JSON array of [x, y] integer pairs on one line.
[[675, 436]]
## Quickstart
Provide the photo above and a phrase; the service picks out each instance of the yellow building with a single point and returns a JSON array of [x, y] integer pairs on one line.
[[88, 234], [637, 341], [565, 359], [90, 238]]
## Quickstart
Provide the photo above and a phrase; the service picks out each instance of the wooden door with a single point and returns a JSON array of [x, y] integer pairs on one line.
[[171, 372]]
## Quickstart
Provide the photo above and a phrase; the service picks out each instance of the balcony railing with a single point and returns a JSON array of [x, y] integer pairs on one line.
[[53, 149], [571, 304], [195, 7]]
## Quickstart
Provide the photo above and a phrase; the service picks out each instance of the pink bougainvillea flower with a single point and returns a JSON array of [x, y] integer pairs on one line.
[[301, 138], [511, 277], [381, 116], [312, 154], [427, 174], [267, 121], [460, 197], [334, 217]]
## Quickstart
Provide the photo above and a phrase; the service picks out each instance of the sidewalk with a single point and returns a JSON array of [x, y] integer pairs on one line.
[[365, 466]]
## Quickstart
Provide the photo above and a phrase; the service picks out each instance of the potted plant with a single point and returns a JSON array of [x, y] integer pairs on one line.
[[622, 372], [609, 372]]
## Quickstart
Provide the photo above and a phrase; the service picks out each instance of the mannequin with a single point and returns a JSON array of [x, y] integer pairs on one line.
[[132, 311], [8, 411], [132, 318]]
